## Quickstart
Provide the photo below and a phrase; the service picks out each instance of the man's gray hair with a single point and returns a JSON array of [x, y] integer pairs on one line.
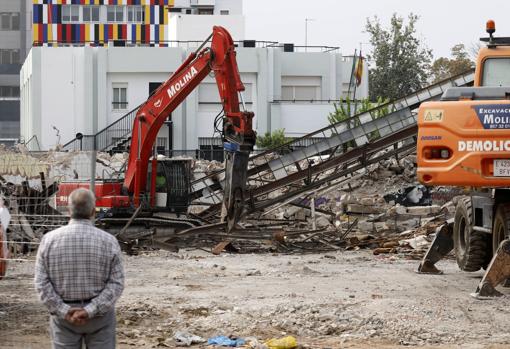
[[82, 204]]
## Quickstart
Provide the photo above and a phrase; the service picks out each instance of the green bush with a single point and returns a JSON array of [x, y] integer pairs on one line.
[[272, 140]]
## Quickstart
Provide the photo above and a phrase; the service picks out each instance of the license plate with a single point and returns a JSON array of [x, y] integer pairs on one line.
[[502, 168]]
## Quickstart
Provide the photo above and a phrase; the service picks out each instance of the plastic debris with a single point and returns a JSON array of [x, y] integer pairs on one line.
[[185, 339], [288, 342], [225, 341]]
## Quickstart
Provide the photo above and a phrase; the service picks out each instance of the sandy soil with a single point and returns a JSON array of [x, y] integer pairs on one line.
[[333, 300]]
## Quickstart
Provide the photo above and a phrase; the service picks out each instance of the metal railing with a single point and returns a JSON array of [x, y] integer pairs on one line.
[[151, 43], [106, 139]]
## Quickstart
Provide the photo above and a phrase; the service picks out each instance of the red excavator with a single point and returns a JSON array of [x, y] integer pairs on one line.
[[136, 196]]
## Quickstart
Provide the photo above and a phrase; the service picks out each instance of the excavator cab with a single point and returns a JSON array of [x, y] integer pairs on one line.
[[172, 185]]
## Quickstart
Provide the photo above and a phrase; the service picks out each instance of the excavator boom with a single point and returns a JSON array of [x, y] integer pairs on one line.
[[237, 132]]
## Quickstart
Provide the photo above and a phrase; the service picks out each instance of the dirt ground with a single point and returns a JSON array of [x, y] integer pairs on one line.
[[333, 300]]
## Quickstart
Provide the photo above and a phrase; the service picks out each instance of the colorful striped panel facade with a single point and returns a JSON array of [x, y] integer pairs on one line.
[[48, 29]]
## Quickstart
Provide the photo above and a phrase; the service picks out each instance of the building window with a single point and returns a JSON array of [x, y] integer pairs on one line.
[[301, 88], [205, 11], [224, 12], [115, 13], [9, 20], [119, 98], [9, 91], [161, 145], [91, 13], [135, 14], [70, 13], [8, 56]]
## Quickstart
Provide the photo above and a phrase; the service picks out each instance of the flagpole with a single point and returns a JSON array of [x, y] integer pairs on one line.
[[356, 85], [352, 73]]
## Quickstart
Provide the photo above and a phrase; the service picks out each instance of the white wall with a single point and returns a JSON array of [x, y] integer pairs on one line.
[[299, 119]]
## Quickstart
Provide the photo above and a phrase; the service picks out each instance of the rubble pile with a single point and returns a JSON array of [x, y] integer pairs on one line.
[[29, 183], [392, 212], [381, 207]]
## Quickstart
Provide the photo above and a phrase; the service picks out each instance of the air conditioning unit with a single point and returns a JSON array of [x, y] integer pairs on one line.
[[249, 43], [288, 47]]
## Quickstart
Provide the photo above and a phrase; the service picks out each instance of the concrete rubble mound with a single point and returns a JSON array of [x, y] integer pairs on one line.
[[381, 208]]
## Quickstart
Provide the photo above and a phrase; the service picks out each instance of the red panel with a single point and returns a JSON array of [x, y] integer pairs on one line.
[[107, 194], [110, 31], [59, 32], [82, 32], [69, 37], [147, 33], [40, 33]]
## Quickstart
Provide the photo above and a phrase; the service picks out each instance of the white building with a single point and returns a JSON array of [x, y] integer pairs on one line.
[[85, 89]]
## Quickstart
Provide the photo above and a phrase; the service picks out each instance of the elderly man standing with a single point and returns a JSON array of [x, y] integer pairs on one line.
[[79, 277]]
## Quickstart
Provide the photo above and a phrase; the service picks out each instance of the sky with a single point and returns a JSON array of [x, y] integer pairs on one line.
[[442, 23]]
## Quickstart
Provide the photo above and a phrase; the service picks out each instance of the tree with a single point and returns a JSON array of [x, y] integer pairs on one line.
[[399, 62], [443, 67], [272, 140]]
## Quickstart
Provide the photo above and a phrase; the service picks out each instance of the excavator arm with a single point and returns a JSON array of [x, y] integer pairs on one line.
[[237, 132]]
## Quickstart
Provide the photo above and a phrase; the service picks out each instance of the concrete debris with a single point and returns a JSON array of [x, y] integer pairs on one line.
[[383, 200], [185, 339]]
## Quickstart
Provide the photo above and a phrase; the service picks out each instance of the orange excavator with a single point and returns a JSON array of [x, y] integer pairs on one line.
[[136, 194], [464, 141]]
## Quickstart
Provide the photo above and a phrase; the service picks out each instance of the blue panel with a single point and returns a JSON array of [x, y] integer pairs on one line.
[[36, 13]]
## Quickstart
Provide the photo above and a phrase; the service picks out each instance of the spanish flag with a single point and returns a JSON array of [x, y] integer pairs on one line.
[[358, 72]]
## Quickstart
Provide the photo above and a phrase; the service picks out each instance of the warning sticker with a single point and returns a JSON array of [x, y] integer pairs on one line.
[[433, 115]]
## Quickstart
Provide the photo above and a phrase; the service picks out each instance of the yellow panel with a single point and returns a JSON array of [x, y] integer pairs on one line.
[[50, 33], [147, 14], [165, 12], [101, 33], [138, 33], [171, 3], [115, 31], [35, 31], [162, 33], [87, 32]]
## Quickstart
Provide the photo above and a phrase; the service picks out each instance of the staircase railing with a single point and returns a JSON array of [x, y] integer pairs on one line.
[[107, 138]]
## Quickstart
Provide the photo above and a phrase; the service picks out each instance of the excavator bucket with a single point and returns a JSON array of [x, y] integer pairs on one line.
[[497, 272], [235, 185], [441, 246]]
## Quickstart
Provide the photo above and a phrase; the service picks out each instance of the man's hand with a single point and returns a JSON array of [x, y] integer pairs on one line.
[[77, 316]]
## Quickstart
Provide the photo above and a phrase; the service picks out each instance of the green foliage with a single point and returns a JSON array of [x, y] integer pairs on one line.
[[443, 67], [399, 62], [348, 108], [272, 140]]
